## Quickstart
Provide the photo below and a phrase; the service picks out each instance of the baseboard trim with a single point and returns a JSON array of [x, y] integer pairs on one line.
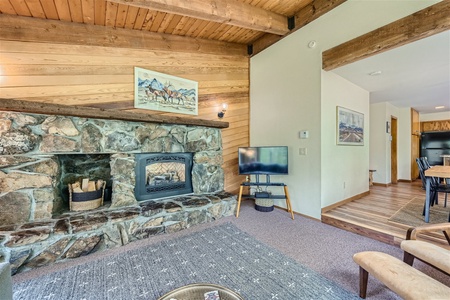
[[297, 213], [382, 184], [405, 180], [332, 206]]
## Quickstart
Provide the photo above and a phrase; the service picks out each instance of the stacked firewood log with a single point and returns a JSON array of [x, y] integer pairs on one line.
[[87, 185]]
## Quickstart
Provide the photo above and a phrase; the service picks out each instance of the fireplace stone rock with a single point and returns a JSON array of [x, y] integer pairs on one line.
[[16, 142], [15, 208], [35, 227], [57, 143], [83, 246], [44, 203], [12, 161], [14, 181], [17, 258], [28, 236], [50, 255], [60, 126]]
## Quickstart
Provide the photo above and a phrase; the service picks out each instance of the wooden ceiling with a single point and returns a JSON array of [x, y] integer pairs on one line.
[[259, 23]]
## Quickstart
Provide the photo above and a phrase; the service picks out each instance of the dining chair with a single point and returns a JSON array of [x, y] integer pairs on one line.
[[424, 184], [443, 186], [436, 186]]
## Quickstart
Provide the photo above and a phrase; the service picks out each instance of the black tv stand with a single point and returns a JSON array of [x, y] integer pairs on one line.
[[247, 183], [267, 178], [264, 195]]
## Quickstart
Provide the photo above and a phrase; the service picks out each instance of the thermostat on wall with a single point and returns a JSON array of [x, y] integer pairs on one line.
[[304, 134]]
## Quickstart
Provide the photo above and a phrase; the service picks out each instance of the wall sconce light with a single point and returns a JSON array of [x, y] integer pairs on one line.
[[221, 113]]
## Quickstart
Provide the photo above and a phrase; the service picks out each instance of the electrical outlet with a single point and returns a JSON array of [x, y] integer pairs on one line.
[[302, 151]]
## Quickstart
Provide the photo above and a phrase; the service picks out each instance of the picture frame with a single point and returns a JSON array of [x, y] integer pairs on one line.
[[163, 92], [349, 127]]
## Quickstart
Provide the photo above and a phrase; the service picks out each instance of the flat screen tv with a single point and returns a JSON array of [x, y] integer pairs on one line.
[[271, 160]]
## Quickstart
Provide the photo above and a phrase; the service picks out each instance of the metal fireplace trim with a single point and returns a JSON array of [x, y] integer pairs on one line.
[[144, 159]]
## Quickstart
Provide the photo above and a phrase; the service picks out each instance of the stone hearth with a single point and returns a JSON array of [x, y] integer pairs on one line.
[[36, 228]]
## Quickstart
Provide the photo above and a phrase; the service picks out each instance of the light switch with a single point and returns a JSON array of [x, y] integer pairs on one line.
[[302, 151]]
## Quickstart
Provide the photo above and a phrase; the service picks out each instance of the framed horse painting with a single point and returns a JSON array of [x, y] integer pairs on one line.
[[162, 92]]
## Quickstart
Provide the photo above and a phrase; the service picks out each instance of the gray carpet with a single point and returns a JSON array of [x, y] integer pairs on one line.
[[320, 247], [223, 255]]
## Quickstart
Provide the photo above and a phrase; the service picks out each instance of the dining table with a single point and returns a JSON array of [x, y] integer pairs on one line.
[[435, 171]]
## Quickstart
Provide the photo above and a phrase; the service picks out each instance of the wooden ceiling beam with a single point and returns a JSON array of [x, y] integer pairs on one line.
[[15, 28], [306, 15], [426, 22], [226, 11], [314, 10]]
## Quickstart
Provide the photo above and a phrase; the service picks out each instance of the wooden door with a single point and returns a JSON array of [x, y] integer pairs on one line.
[[394, 150], [415, 143]]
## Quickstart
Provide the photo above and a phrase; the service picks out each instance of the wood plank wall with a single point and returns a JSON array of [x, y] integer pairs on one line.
[[102, 76], [441, 125]]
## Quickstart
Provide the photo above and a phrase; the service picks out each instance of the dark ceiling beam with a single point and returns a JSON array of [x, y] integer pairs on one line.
[[424, 23], [314, 10], [306, 15], [225, 11]]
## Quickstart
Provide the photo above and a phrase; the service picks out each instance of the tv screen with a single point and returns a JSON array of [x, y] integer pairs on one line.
[[263, 160]]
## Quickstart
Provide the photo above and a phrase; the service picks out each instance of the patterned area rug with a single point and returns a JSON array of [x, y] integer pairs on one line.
[[411, 213], [222, 255]]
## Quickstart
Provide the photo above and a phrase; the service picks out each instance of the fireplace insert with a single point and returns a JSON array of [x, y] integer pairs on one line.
[[160, 175]]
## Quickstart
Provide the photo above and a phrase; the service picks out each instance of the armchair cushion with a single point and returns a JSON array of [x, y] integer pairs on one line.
[[429, 253]]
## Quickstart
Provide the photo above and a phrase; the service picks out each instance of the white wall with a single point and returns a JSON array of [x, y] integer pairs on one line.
[[434, 116], [285, 94], [380, 143], [284, 99], [347, 165], [378, 139]]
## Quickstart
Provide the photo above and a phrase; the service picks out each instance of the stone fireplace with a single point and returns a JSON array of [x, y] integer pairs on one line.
[[147, 192]]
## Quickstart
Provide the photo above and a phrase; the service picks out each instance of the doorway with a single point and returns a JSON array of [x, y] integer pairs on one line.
[[394, 176]]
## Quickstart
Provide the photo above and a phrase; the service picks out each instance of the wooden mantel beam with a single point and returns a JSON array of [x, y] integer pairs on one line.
[[426, 22], [225, 11], [97, 113]]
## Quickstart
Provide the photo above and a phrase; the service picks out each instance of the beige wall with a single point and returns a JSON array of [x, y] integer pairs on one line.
[[348, 175]]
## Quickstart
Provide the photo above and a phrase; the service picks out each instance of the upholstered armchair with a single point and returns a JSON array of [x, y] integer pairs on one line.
[[400, 276], [434, 255]]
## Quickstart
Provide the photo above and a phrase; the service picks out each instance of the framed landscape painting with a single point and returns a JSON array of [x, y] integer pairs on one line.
[[162, 92], [350, 127]]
